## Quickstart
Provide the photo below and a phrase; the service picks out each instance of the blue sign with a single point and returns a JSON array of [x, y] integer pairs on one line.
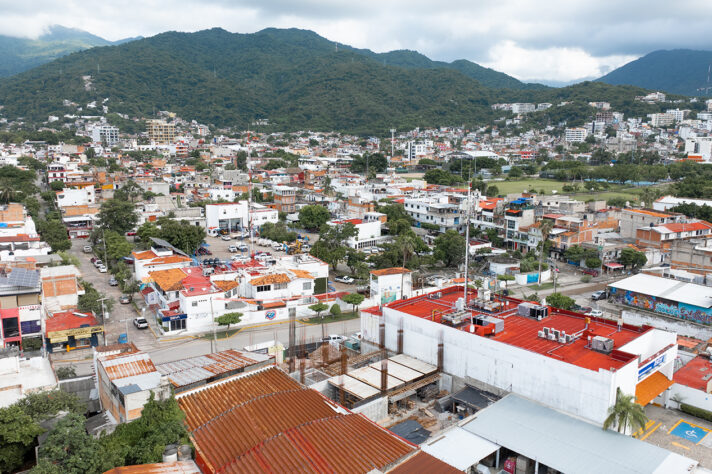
[[689, 432], [650, 366], [270, 315], [175, 317]]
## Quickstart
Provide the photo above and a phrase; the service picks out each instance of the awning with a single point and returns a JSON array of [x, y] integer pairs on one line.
[[613, 265], [647, 390], [460, 448], [274, 304]]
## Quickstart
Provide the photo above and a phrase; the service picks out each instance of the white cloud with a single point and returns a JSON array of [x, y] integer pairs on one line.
[[561, 64]]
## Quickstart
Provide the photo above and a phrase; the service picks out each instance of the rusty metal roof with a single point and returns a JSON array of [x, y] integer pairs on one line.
[[423, 463], [341, 444], [176, 467], [127, 365], [265, 421], [194, 369]]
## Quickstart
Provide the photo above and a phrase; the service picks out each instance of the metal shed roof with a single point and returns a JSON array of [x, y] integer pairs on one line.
[[673, 290], [449, 448], [568, 444]]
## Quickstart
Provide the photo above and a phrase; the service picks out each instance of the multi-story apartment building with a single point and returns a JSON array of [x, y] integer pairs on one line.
[[661, 120], [285, 198], [633, 219], [575, 135], [434, 211], [20, 306], [517, 217], [159, 131], [107, 135]]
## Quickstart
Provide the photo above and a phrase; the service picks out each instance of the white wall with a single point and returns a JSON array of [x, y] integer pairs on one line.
[[582, 392], [680, 327], [689, 395]]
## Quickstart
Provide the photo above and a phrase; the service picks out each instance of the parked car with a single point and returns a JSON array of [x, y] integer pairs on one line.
[[590, 271], [277, 246], [598, 295], [225, 237], [239, 259], [93, 259], [102, 268], [113, 282], [232, 249], [123, 338], [597, 313], [98, 263], [125, 299], [581, 309], [333, 339], [140, 323], [243, 248], [344, 279], [86, 249]]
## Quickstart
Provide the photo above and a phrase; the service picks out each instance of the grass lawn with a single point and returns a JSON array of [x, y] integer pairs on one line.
[[548, 185], [328, 318], [543, 286]]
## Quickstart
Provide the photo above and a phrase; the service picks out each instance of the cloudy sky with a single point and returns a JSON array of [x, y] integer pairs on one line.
[[550, 40]]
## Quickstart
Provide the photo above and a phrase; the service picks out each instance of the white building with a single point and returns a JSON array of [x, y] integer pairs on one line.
[[566, 361], [523, 108], [76, 197], [699, 146], [105, 134], [661, 120], [435, 211], [368, 233], [575, 135], [390, 284], [235, 216], [666, 202]]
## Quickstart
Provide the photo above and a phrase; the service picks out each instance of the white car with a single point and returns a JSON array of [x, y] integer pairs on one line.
[[140, 323], [101, 268], [232, 249], [239, 259], [596, 313], [225, 237], [344, 279], [277, 246], [333, 339]]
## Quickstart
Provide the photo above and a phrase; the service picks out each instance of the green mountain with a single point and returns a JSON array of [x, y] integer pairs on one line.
[[294, 78], [678, 71], [20, 54]]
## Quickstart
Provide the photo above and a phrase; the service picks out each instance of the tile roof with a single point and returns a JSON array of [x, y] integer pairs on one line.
[[272, 278], [687, 227], [176, 467], [302, 274], [169, 280], [423, 463], [390, 271], [225, 285], [69, 320], [188, 371], [148, 254]]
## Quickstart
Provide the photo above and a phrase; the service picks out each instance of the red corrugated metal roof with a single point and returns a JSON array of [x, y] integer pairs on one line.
[[423, 463], [693, 373], [69, 320]]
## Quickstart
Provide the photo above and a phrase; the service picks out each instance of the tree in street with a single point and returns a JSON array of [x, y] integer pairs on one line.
[[632, 258], [117, 246], [228, 319], [55, 234], [557, 300], [181, 235], [314, 216], [625, 414], [450, 248], [117, 215], [146, 231], [318, 308], [354, 299]]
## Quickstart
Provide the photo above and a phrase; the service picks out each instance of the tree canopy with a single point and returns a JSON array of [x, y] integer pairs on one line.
[[314, 216]]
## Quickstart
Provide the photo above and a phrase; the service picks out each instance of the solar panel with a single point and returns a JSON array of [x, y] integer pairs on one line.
[[23, 278]]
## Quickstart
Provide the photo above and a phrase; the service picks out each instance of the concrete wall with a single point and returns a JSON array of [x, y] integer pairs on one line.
[[680, 327], [689, 395], [375, 410]]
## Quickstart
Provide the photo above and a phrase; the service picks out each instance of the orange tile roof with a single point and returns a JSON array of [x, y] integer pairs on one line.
[[225, 285], [390, 271], [272, 278], [687, 226], [302, 274], [647, 390], [423, 463], [170, 279], [120, 366], [13, 213], [144, 255], [650, 213], [169, 259]]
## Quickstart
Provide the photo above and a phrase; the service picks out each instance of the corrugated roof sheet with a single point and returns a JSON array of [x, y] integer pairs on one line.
[[269, 279], [673, 290], [187, 371], [127, 365], [568, 444], [178, 467], [424, 463]]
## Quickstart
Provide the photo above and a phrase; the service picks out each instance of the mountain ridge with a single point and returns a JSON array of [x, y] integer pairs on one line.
[[676, 71]]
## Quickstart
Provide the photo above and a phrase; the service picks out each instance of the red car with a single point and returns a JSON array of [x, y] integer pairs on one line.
[[590, 271]]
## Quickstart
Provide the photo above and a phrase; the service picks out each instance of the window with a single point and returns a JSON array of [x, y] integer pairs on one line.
[[280, 286], [306, 285], [195, 303], [263, 288]]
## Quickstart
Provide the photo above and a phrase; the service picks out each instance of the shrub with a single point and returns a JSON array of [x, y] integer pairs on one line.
[[586, 278], [335, 310], [698, 412], [66, 372], [32, 344]]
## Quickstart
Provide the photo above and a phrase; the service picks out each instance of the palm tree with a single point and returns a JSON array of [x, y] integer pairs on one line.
[[545, 227], [625, 414], [405, 245]]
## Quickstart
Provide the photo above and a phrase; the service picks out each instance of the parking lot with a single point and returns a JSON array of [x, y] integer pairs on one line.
[[679, 432]]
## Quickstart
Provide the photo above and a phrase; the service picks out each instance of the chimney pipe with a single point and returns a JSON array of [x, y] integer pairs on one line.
[[400, 336]]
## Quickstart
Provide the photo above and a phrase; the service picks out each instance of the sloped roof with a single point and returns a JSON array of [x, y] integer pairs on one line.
[[390, 271], [170, 279], [270, 279], [69, 320], [302, 274]]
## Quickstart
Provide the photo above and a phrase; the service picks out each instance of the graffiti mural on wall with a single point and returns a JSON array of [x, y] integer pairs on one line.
[[669, 308]]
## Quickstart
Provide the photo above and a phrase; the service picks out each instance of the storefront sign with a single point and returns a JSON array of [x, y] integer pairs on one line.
[[271, 315], [175, 317], [60, 336], [650, 366]]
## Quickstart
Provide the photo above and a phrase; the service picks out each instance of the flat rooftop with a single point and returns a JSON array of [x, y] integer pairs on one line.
[[523, 332], [695, 374]]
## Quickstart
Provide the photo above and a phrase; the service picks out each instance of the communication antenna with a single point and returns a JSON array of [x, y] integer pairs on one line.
[[707, 87]]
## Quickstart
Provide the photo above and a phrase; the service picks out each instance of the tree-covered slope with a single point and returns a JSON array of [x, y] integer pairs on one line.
[[678, 71], [20, 54]]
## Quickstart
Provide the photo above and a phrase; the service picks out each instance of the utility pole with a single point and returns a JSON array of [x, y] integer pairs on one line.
[[467, 238], [214, 345], [393, 144]]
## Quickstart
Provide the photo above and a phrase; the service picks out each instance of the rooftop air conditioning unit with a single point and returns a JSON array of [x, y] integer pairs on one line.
[[562, 339], [546, 332], [557, 334], [551, 336], [541, 334], [569, 338], [602, 344]]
